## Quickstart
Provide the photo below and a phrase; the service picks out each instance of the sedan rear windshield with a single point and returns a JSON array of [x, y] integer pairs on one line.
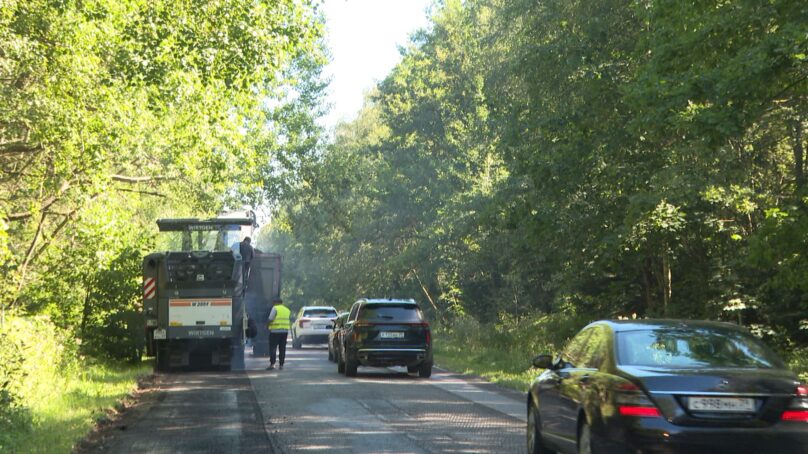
[[694, 348], [319, 313], [404, 313]]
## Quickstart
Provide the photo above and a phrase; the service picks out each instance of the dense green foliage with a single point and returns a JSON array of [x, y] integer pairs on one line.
[[576, 159], [114, 113], [51, 395]]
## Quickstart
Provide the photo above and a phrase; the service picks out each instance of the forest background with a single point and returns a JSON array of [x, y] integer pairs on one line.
[[527, 168]]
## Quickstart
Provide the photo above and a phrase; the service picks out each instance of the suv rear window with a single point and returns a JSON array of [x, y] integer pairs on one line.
[[405, 313], [319, 313]]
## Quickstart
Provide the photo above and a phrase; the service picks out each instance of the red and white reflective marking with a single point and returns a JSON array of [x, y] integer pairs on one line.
[[149, 287]]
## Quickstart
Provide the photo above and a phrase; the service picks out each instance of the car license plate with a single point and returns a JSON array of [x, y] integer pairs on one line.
[[160, 333], [391, 335], [318, 326], [725, 404]]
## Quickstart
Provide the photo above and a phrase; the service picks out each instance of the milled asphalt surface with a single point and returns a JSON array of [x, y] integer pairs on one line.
[[189, 412], [309, 407]]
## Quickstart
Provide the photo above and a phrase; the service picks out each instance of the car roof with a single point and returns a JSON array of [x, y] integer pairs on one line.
[[645, 324], [319, 307], [388, 301]]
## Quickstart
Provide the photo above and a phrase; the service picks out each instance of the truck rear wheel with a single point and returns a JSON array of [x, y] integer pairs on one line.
[[162, 356]]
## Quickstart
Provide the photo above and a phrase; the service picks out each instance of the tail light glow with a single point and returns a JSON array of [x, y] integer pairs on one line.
[[802, 390], [640, 412], [795, 415]]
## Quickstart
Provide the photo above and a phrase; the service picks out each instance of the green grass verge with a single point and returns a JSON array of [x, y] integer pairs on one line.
[[504, 368], [73, 405]]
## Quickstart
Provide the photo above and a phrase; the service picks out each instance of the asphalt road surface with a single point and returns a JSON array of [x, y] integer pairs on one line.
[[309, 407]]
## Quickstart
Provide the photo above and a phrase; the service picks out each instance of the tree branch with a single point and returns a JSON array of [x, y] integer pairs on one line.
[[134, 180], [156, 194]]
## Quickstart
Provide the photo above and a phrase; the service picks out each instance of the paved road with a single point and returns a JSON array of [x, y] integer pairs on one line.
[[309, 407], [190, 412]]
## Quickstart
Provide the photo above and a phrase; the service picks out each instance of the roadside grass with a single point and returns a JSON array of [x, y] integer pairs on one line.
[[73, 404], [510, 370], [502, 352]]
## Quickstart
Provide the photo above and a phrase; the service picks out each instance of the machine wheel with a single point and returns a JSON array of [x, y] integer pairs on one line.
[[162, 357], [350, 366], [425, 371]]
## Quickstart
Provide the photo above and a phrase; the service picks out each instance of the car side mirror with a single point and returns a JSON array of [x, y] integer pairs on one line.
[[543, 362]]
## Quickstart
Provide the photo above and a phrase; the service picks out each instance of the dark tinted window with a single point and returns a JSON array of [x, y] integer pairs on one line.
[[694, 348], [594, 350], [572, 352], [319, 313], [405, 313]]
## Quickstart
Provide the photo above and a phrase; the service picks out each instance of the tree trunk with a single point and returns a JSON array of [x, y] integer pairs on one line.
[[666, 282], [799, 156]]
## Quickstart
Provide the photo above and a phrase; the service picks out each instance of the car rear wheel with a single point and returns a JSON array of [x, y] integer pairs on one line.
[[351, 365], [425, 371], [296, 342]]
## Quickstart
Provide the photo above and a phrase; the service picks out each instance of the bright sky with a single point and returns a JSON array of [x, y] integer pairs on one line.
[[364, 36]]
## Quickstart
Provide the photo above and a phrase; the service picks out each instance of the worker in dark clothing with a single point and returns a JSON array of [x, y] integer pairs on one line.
[[247, 253]]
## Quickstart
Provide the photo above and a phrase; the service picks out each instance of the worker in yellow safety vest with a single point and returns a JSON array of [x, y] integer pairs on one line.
[[278, 324]]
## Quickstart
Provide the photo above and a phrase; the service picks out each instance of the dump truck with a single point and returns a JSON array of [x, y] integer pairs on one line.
[[196, 301]]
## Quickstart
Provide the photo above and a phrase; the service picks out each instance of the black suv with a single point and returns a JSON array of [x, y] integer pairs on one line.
[[386, 332]]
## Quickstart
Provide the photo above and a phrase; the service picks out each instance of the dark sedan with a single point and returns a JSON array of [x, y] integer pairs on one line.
[[334, 336], [666, 386]]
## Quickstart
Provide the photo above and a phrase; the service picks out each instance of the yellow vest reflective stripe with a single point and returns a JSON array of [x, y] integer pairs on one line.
[[282, 315]]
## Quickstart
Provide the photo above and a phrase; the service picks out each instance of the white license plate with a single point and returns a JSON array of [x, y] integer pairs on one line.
[[318, 326], [725, 404], [391, 335], [160, 333]]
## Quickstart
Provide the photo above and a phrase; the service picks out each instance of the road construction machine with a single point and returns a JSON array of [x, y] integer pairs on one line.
[[199, 294]]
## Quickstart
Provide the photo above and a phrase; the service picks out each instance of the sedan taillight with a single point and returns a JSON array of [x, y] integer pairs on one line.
[[633, 402], [639, 412], [798, 410], [795, 415]]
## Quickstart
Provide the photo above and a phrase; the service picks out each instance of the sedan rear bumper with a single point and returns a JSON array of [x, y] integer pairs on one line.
[[657, 435]]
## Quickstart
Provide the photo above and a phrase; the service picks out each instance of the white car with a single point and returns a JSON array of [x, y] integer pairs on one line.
[[312, 325]]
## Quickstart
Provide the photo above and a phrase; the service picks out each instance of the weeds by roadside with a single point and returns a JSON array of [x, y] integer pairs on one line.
[[50, 397]]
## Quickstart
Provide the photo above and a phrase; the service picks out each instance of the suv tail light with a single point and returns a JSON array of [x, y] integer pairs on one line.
[[303, 322], [632, 401]]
